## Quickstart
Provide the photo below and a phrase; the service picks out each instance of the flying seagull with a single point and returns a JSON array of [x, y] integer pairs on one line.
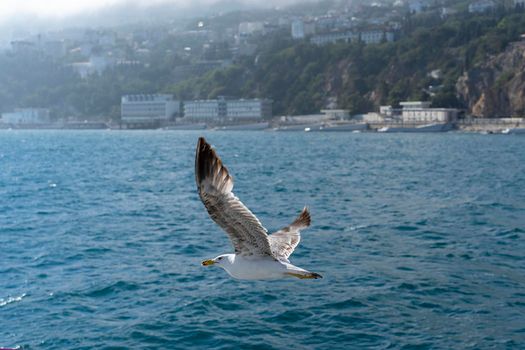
[[257, 254]]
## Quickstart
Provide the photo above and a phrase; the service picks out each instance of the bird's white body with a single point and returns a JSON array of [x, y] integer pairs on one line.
[[258, 268]]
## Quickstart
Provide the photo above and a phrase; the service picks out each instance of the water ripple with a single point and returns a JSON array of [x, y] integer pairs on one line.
[[419, 239]]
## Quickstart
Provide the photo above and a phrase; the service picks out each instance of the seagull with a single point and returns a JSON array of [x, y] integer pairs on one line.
[[258, 256]]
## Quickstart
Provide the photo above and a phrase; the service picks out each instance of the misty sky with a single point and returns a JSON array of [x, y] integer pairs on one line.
[[10, 9]]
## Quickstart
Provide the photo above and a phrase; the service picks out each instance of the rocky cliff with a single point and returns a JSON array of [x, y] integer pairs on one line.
[[497, 87]]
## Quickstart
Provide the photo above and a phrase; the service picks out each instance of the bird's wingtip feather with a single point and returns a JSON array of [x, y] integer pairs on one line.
[[304, 219]]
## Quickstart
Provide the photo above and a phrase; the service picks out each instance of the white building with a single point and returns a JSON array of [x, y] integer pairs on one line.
[[301, 29], [372, 36], [481, 6], [386, 111], [409, 105], [333, 37], [250, 28], [420, 112], [228, 110], [368, 37], [336, 114], [204, 110], [415, 6], [148, 109], [372, 118], [27, 116], [254, 109], [96, 64]]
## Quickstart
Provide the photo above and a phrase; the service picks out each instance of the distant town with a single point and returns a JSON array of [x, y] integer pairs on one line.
[[207, 46], [163, 112]]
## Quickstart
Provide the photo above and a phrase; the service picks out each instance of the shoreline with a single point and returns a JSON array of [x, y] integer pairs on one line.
[[485, 126]]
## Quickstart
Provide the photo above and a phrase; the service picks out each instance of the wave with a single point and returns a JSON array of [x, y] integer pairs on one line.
[[9, 300]]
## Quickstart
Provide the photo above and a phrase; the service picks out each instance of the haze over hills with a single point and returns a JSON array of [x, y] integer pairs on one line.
[[131, 12], [354, 57]]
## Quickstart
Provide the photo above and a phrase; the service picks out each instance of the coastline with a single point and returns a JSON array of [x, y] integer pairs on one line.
[[472, 125]]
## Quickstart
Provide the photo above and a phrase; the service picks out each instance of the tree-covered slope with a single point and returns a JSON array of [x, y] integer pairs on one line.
[[426, 62]]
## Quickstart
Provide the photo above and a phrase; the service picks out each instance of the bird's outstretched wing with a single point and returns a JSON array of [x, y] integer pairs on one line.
[[214, 183], [284, 241]]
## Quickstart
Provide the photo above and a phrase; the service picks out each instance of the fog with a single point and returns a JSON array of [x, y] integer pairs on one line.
[[18, 19]]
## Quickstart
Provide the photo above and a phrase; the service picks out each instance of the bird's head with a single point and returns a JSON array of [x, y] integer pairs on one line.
[[221, 260]]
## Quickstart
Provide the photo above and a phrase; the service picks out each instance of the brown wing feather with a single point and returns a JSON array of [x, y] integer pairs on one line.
[[284, 241], [215, 185]]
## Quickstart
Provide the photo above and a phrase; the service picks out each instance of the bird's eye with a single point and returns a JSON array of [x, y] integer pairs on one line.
[[220, 258]]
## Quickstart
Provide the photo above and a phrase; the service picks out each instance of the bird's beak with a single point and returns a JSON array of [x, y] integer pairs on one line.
[[208, 262]]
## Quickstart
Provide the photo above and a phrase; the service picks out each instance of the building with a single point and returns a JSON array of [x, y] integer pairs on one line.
[[448, 11], [148, 110], [302, 29], [386, 111], [333, 37], [248, 110], [336, 114], [205, 110], [429, 115], [227, 110], [519, 3], [481, 6], [95, 65], [416, 112], [410, 105], [420, 112], [415, 6], [368, 37], [27, 116], [372, 36], [250, 28], [376, 36]]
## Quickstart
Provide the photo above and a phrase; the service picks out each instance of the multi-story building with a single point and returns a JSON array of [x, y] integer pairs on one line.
[[254, 109], [205, 110], [250, 28], [368, 37], [376, 36], [415, 112], [27, 116], [415, 6], [227, 110], [333, 37], [148, 110], [481, 6], [420, 112], [301, 29]]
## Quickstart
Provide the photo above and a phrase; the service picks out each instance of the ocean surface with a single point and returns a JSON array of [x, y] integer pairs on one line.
[[420, 240]]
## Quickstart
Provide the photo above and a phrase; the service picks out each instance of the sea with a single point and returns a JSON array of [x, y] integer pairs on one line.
[[420, 239]]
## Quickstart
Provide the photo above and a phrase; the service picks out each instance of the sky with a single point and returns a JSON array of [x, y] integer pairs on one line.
[[61, 8], [10, 9], [18, 18]]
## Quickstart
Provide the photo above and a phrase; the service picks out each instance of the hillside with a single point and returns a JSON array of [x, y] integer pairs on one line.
[[465, 60], [450, 62], [496, 87]]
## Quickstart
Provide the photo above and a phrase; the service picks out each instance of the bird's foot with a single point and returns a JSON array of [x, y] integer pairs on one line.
[[307, 275]]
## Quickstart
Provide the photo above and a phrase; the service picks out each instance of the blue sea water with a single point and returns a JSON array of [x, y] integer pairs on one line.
[[419, 238]]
